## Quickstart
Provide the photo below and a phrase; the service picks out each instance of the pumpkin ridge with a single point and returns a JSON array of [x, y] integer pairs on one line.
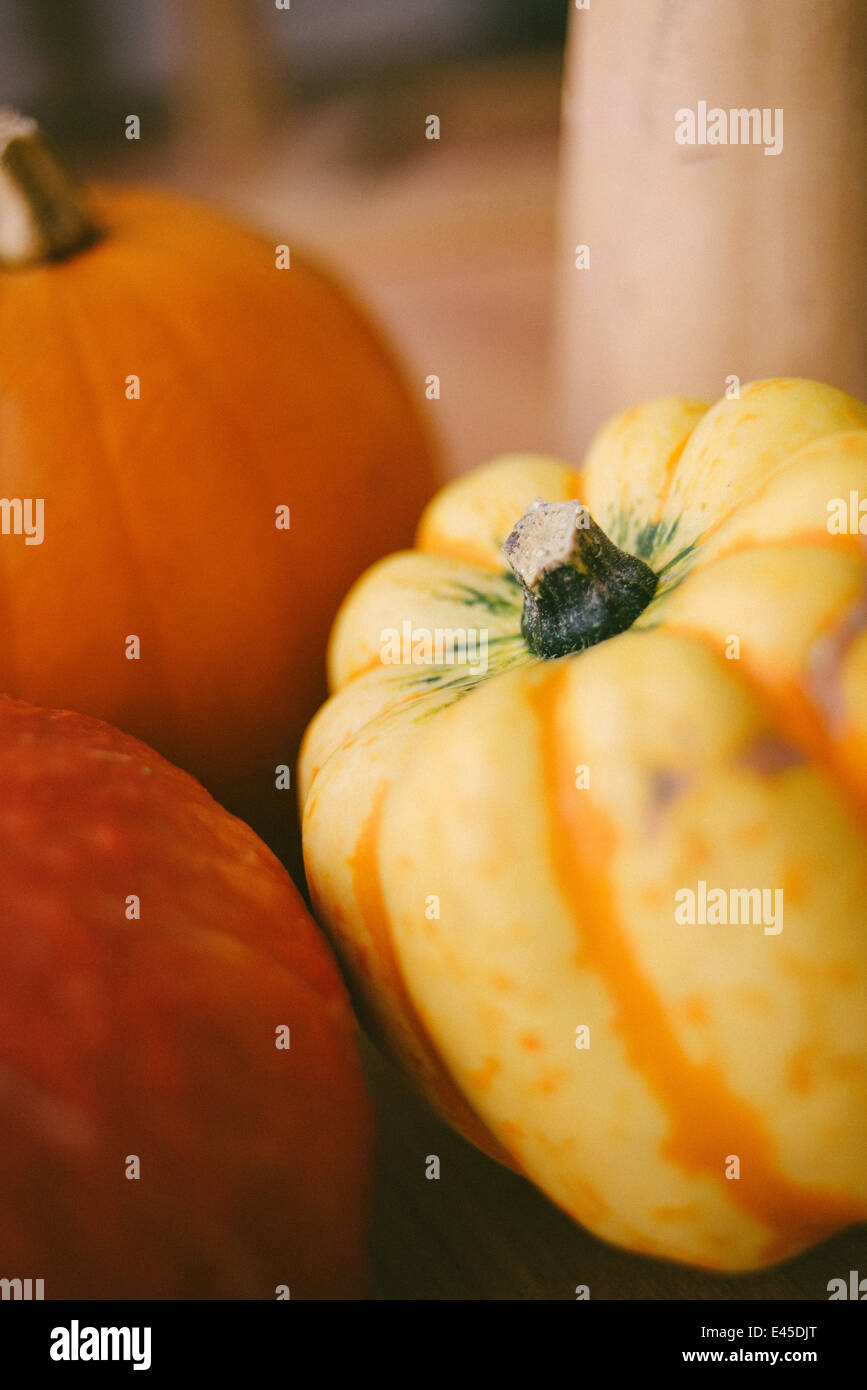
[[688, 1092], [482, 544], [186, 344], [466, 551], [6, 590], [762, 488], [124, 511], [821, 539], [670, 467], [785, 705], [854, 421], [367, 885]]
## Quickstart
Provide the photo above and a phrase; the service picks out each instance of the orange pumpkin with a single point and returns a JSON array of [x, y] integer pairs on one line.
[[258, 388]]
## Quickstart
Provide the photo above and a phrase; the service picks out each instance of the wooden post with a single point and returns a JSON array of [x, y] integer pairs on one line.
[[710, 260], [224, 81]]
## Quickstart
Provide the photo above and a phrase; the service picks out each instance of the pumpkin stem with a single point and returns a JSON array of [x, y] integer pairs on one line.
[[578, 587], [43, 216]]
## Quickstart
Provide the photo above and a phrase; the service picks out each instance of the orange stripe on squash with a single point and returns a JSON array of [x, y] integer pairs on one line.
[[707, 1120]]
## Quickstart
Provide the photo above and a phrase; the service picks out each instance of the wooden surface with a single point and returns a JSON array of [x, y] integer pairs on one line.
[[481, 1232]]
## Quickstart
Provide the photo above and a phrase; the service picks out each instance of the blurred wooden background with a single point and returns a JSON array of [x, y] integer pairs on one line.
[[452, 242], [321, 144]]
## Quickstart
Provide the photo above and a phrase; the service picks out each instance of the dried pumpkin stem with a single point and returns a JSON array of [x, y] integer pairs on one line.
[[43, 214], [579, 588]]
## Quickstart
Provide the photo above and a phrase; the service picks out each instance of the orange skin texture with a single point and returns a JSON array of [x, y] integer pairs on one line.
[[156, 1037], [259, 388]]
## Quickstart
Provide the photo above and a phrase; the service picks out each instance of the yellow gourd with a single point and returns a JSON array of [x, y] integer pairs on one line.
[[599, 875]]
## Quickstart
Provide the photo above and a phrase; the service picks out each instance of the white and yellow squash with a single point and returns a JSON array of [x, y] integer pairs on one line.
[[671, 708]]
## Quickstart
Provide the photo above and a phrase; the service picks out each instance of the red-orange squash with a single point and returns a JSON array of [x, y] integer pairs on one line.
[[148, 1030], [258, 388]]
